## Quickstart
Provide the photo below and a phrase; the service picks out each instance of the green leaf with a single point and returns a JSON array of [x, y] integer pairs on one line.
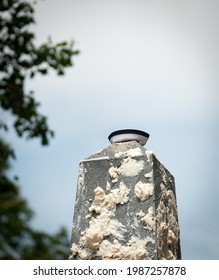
[[62, 44]]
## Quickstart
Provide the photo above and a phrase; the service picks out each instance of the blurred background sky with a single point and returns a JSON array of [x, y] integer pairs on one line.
[[149, 65]]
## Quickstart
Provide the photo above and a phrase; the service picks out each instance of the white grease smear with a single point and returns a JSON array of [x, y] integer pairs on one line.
[[129, 168], [134, 250], [149, 219], [168, 228], [103, 224], [149, 155], [144, 190], [130, 153], [149, 175]]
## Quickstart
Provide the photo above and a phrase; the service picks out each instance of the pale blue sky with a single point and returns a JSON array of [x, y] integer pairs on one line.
[[150, 65]]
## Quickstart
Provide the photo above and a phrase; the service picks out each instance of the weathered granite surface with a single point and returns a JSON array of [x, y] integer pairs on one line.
[[125, 207]]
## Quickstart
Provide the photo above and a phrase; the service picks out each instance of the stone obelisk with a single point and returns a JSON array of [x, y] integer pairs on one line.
[[125, 206]]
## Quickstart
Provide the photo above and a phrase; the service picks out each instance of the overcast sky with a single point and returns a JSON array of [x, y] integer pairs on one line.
[[150, 65]]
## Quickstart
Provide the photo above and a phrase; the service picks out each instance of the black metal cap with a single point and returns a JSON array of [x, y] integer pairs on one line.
[[128, 135]]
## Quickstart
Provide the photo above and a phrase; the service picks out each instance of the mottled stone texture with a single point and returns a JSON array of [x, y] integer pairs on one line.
[[125, 207]]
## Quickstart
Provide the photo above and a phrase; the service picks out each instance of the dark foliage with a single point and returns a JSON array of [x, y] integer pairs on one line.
[[21, 59]]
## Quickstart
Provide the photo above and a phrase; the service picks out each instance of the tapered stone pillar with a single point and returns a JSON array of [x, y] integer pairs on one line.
[[125, 206]]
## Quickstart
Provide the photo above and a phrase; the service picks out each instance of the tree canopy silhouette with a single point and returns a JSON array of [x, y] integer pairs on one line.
[[21, 59]]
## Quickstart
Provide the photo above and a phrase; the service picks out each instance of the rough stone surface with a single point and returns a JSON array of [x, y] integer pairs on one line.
[[125, 207]]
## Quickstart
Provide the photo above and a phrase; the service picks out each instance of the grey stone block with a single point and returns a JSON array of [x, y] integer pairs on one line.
[[125, 207]]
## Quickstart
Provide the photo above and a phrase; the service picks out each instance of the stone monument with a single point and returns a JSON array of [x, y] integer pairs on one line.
[[125, 206]]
